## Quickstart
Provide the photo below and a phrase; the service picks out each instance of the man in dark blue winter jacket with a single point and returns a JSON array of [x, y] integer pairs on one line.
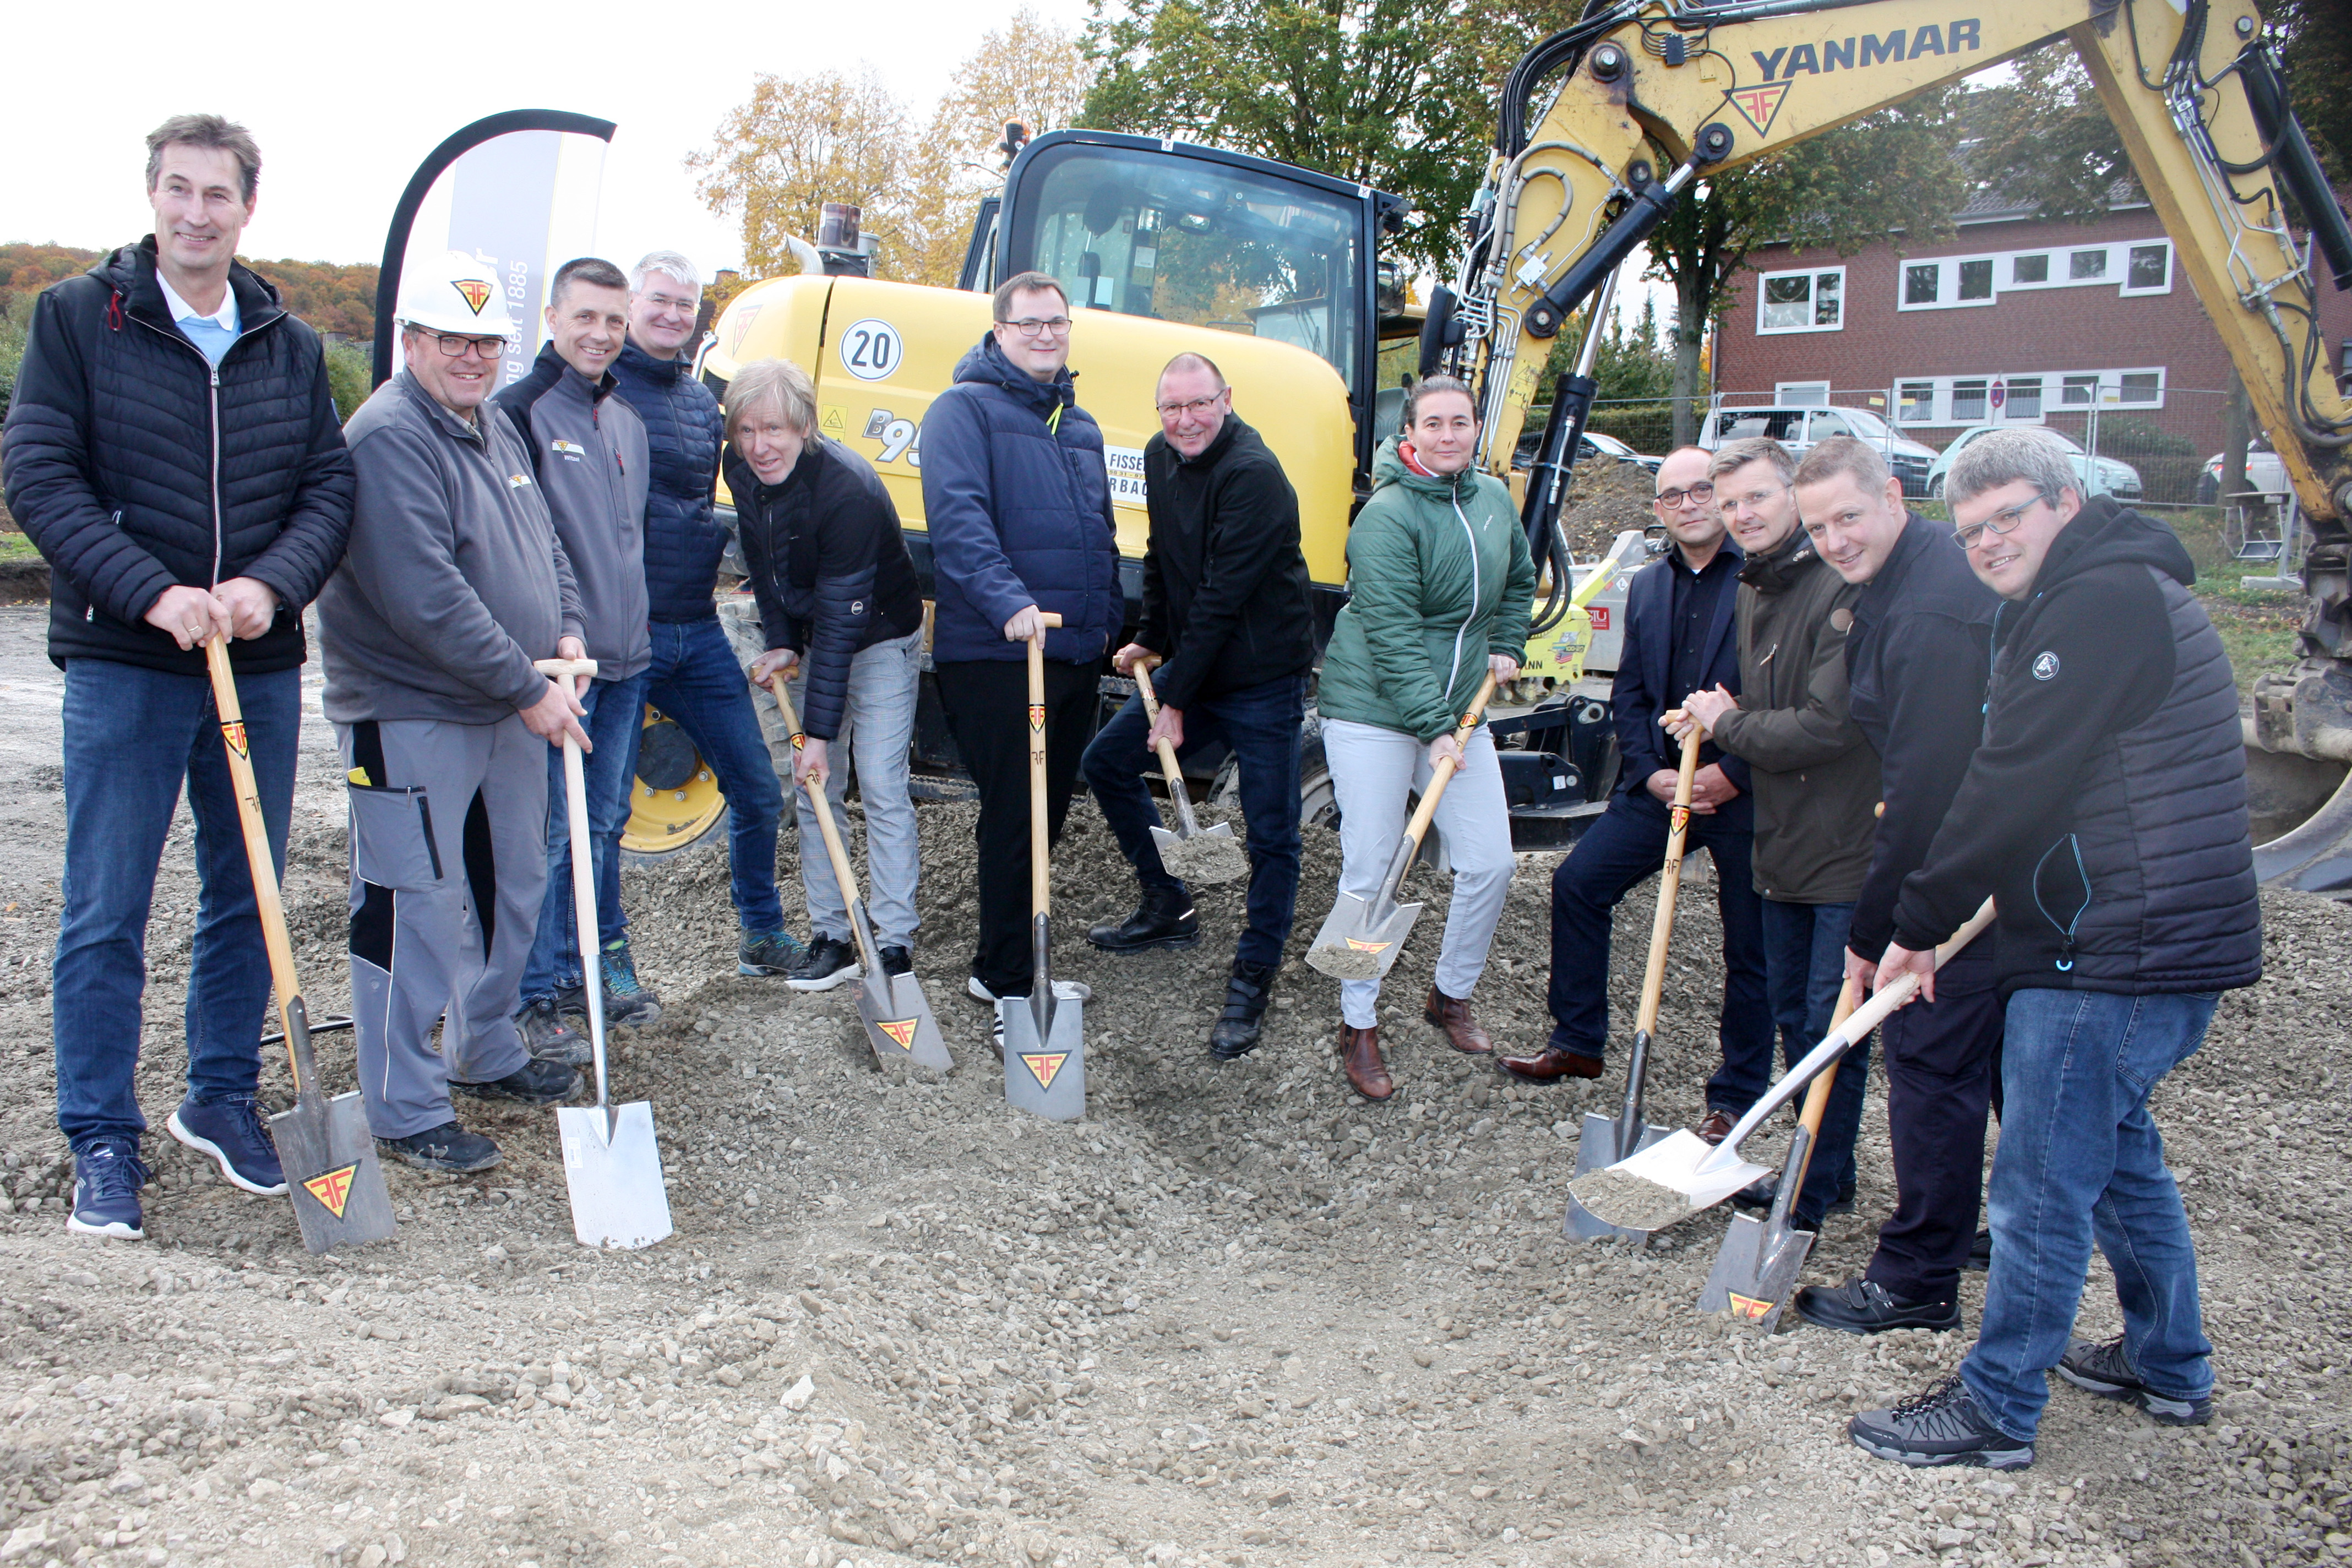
[[2104, 813], [1017, 505], [172, 451]]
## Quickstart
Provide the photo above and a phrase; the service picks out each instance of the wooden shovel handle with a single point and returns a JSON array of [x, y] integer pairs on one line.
[[560, 669], [1670, 881], [1041, 888], [1143, 689], [1418, 827], [834, 849], [1817, 1093], [257, 844]]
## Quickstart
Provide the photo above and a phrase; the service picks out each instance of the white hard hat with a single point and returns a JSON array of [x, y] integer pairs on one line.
[[455, 294]]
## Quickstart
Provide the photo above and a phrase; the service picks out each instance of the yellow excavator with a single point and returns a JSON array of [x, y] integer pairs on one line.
[[1277, 273]]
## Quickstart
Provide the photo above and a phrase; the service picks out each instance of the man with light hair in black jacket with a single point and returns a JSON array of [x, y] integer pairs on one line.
[[2104, 815]]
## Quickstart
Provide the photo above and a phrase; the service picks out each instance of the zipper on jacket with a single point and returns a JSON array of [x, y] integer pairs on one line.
[[217, 530], [1453, 671]]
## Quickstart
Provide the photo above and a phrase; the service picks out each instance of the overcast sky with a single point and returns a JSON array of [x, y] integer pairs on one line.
[[346, 101]]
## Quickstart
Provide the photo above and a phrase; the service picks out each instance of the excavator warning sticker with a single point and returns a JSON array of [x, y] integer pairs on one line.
[[834, 423], [233, 731], [1043, 1065], [334, 1188], [1759, 106], [902, 1030], [1124, 465], [1747, 1306]]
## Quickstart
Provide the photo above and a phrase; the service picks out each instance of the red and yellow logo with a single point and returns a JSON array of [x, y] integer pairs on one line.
[[1759, 106], [1043, 1065], [901, 1030], [334, 1188], [233, 731], [1036, 715], [1749, 1306], [1360, 945], [1680, 818], [473, 290]]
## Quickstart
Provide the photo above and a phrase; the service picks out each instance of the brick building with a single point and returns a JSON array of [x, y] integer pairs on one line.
[[2014, 320]]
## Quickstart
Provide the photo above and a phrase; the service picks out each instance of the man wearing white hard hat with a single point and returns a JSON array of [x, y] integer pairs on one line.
[[455, 582]]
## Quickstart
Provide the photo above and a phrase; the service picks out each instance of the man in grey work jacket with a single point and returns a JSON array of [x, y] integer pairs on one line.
[[588, 452], [455, 582]]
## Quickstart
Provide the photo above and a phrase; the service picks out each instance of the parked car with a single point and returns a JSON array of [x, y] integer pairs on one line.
[[1593, 448], [2110, 478], [1799, 428], [2265, 475]]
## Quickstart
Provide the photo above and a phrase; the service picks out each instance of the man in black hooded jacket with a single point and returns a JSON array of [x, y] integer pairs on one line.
[[2105, 815]]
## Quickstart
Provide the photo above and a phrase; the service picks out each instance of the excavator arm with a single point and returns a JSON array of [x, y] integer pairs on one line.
[[1606, 125]]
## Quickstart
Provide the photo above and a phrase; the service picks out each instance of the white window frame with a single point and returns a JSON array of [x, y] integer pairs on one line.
[[2004, 270], [2124, 278], [2105, 396], [1801, 394], [1812, 275]]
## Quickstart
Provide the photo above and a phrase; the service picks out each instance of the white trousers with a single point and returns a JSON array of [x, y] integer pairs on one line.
[[1372, 770]]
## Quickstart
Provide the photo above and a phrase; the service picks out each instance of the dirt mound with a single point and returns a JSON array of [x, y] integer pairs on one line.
[[1605, 498]]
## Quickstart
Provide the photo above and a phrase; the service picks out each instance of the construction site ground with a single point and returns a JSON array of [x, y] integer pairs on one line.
[[1233, 1317]]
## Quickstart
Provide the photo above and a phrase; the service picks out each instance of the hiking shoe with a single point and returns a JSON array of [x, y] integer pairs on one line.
[[1866, 1306], [234, 1132], [898, 961], [533, 1083], [448, 1148], [768, 953], [107, 1179], [2107, 1371], [548, 1038], [1064, 990], [1941, 1426], [1164, 919], [626, 1000], [825, 964], [1980, 1254]]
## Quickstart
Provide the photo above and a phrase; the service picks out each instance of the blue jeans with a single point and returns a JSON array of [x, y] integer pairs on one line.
[[695, 679], [1804, 969], [615, 717], [1260, 723], [131, 736], [2081, 1160]]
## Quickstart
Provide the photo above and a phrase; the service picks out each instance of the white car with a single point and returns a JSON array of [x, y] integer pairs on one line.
[[2265, 475], [1797, 429], [2108, 477]]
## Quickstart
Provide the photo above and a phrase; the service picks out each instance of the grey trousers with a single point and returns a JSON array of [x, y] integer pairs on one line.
[[448, 866], [878, 728]]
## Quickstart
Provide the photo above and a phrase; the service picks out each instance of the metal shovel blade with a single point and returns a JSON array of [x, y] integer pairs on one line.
[[900, 1026], [1355, 945], [332, 1173], [1755, 1270], [1208, 855], [614, 1173], [1597, 1149], [1046, 1072], [1671, 1180]]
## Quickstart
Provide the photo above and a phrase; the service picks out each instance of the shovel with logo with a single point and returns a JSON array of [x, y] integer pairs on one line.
[[1044, 1040]]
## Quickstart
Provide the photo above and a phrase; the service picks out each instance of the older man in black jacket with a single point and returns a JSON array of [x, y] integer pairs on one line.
[[1916, 661], [1225, 606], [172, 451]]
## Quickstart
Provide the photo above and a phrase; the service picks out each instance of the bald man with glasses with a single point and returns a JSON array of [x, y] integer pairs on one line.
[[1678, 638]]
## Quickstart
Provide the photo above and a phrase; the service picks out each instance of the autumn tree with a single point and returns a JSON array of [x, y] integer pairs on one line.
[[797, 143]]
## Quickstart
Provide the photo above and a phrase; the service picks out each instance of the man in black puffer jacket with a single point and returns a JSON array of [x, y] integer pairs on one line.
[[173, 452], [2105, 815]]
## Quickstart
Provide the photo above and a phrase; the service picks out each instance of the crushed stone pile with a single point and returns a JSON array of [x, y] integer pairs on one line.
[[1603, 499]]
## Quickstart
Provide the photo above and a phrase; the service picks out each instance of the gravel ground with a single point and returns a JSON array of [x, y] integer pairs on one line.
[[1233, 1317]]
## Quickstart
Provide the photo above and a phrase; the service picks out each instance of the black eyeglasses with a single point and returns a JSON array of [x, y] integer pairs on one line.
[[1999, 523], [1034, 327], [1696, 495], [455, 347]]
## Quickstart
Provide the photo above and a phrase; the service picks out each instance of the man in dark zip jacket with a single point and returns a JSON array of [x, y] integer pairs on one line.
[[1915, 665], [2105, 815], [173, 452], [1225, 609], [1017, 504], [588, 451]]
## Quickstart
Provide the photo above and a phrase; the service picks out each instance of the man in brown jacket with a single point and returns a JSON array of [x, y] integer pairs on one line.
[[1815, 780]]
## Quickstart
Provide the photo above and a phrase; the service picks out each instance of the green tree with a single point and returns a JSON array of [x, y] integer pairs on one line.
[[350, 368], [1398, 94], [2316, 43], [799, 142]]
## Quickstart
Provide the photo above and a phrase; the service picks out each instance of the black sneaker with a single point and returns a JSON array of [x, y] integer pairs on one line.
[[2107, 1371], [898, 961], [233, 1131], [1941, 1426], [1866, 1307], [533, 1083], [768, 953], [447, 1147], [548, 1038], [825, 964], [1980, 1254], [1235, 1032], [996, 1028], [1164, 919], [107, 1179]]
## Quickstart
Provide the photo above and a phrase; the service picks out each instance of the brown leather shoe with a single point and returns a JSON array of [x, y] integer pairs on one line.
[[1550, 1065], [1716, 1128], [1359, 1057], [1462, 1031]]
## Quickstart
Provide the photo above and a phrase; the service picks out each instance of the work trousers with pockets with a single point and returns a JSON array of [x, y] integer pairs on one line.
[[877, 731], [131, 737], [1372, 770], [449, 865], [987, 704], [1943, 1069]]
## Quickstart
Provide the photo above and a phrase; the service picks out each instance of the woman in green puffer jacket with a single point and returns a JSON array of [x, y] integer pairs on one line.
[[1439, 583]]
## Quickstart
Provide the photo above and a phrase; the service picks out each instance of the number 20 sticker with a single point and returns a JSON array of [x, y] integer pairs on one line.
[[870, 350]]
